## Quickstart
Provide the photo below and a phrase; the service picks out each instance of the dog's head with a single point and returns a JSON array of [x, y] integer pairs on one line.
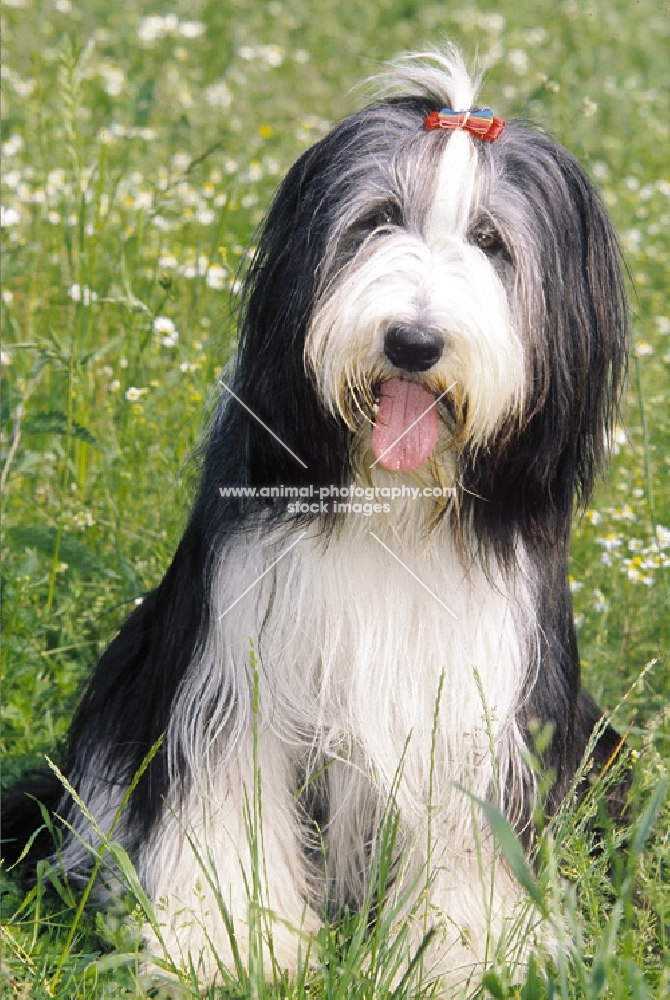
[[403, 270]]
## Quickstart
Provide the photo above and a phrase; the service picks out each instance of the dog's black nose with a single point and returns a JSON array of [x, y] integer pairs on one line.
[[413, 350]]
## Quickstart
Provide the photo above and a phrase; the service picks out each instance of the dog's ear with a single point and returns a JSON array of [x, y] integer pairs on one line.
[[279, 288], [571, 307], [287, 418], [590, 319]]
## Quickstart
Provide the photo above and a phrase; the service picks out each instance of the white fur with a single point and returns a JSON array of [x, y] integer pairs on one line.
[[429, 73], [350, 652]]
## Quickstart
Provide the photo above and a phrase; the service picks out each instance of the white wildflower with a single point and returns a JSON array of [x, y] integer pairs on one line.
[[205, 216], [152, 28], [191, 29], [181, 161], [609, 542], [114, 79], [216, 277], [13, 145], [133, 394], [272, 55], [218, 95], [267, 56], [82, 294], [600, 604], [255, 172], [518, 60], [663, 537], [163, 324], [535, 36], [600, 170], [632, 239], [9, 216]]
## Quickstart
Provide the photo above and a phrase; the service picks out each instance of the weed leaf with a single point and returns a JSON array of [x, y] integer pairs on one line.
[[55, 422]]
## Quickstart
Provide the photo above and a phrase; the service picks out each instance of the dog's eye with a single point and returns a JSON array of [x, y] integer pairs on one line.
[[388, 214], [380, 218], [489, 240]]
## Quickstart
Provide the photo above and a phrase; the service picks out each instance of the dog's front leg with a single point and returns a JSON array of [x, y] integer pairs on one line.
[[227, 871]]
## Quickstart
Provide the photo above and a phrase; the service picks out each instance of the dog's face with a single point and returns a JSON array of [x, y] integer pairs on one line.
[[418, 298], [403, 270]]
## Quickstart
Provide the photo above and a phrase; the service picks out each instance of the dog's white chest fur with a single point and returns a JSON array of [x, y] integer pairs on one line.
[[352, 632], [383, 670]]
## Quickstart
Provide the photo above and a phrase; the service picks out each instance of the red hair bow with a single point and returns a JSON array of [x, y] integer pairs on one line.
[[479, 122]]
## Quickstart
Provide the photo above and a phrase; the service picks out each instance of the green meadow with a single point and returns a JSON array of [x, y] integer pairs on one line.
[[141, 144]]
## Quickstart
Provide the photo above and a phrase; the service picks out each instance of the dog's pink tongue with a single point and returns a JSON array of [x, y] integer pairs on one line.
[[407, 425]]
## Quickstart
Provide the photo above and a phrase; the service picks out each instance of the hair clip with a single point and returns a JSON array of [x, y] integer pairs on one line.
[[479, 122]]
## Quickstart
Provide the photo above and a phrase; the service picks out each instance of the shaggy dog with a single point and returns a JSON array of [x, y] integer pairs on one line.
[[371, 596]]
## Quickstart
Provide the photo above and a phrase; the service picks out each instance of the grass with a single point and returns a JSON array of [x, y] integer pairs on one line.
[[138, 158]]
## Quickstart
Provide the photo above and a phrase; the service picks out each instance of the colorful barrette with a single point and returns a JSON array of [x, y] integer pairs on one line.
[[479, 122]]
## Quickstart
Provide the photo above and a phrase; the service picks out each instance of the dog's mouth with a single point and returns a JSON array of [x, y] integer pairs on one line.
[[406, 425]]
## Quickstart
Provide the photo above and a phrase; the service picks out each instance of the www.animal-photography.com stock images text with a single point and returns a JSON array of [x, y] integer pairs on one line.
[[335, 507]]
